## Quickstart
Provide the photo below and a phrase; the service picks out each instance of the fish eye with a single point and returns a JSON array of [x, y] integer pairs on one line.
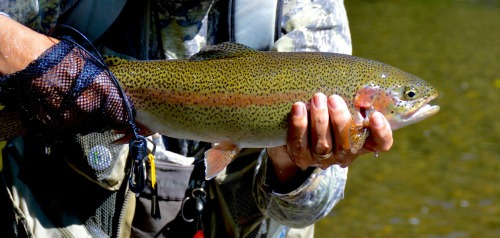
[[410, 93]]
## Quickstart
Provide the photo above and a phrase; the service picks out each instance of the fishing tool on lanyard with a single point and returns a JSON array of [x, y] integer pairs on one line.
[[138, 152]]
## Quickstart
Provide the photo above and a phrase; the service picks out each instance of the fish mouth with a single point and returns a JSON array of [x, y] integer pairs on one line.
[[423, 112], [417, 115]]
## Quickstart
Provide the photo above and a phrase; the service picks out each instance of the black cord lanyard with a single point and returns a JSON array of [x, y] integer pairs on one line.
[[138, 150]]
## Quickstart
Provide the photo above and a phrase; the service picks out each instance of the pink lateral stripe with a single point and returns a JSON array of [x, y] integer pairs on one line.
[[215, 99]]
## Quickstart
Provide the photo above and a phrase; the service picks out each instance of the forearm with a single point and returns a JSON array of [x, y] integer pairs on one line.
[[19, 45]]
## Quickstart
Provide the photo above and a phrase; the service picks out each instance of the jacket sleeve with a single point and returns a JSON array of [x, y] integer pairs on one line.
[[318, 25], [306, 204], [39, 15]]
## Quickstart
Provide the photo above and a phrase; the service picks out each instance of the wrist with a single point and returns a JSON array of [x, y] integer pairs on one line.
[[284, 176], [19, 45], [283, 166]]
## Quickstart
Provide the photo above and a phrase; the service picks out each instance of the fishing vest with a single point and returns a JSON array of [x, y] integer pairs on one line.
[[258, 30]]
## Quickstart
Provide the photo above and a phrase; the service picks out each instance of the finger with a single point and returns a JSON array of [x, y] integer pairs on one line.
[[340, 118], [381, 134], [321, 138], [298, 137]]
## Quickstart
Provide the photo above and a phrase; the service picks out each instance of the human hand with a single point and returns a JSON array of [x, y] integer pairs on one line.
[[322, 135]]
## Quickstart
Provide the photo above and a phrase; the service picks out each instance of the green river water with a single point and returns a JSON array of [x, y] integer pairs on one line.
[[442, 176]]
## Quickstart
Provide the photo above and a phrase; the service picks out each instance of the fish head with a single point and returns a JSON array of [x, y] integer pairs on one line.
[[401, 97]]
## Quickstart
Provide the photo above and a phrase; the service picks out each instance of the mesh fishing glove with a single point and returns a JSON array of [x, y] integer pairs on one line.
[[64, 92]]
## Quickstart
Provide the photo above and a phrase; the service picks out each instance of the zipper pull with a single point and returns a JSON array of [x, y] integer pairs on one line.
[[200, 195]]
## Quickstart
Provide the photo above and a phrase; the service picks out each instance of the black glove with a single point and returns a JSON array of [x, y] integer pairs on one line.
[[64, 92]]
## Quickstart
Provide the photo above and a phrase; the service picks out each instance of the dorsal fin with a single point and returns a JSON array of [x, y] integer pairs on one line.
[[223, 51]]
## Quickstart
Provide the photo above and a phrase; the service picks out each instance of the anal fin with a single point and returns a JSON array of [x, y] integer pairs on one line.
[[218, 157]]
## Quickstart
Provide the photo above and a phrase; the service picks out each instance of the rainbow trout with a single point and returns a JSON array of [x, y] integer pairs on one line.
[[237, 97]]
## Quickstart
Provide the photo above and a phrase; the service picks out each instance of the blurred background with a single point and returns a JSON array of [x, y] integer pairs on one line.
[[442, 177]]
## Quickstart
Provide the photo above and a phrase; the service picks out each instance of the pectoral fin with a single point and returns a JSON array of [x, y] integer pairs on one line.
[[218, 157], [357, 136]]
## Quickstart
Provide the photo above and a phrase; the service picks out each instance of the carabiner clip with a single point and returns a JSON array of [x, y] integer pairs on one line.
[[138, 152]]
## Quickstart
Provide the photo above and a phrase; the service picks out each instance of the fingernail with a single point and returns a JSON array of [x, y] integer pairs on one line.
[[319, 101], [377, 120], [333, 102], [298, 109]]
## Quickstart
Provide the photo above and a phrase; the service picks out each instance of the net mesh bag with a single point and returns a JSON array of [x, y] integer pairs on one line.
[[64, 92]]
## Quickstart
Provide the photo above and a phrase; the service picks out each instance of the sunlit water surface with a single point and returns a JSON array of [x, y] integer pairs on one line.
[[442, 177]]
